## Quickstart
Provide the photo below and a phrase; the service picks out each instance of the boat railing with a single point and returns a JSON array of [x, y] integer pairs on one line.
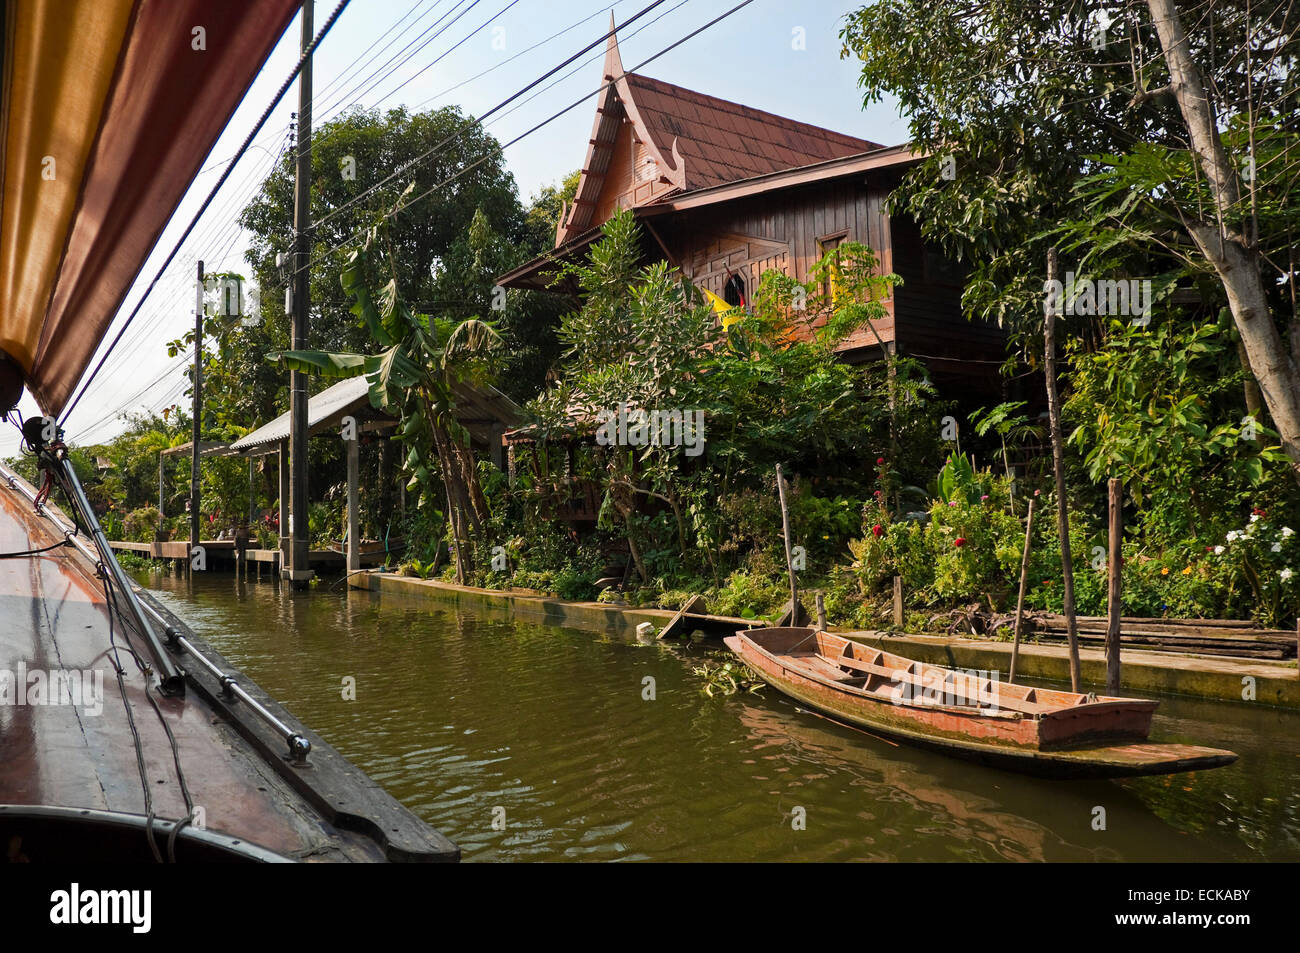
[[107, 565], [299, 747], [170, 678]]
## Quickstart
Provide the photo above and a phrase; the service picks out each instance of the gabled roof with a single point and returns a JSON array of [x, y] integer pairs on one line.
[[721, 141], [695, 141]]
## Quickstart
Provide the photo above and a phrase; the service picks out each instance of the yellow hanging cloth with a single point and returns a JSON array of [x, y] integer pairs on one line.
[[726, 312]]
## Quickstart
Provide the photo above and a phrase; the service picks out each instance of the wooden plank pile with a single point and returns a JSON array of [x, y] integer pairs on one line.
[[1229, 637]]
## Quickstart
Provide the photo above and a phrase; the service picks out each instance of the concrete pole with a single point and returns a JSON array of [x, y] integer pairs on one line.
[[298, 560], [197, 410], [354, 524]]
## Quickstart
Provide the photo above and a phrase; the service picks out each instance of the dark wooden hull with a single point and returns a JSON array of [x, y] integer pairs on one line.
[[70, 785], [1032, 731]]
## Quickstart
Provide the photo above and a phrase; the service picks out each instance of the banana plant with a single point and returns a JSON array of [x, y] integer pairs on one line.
[[414, 377]]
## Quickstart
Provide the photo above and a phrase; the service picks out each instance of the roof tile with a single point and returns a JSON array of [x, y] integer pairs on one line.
[[725, 141]]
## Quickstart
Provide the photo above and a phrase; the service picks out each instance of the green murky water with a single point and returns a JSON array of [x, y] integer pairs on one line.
[[473, 718]]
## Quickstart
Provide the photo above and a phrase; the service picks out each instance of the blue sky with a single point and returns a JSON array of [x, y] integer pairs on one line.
[[775, 55]]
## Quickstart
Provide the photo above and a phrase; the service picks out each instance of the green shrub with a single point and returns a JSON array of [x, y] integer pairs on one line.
[[140, 524]]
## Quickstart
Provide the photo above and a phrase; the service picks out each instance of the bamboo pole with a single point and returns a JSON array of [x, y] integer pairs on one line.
[[1058, 468], [1024, 585], [1114, 569], [789, 560]]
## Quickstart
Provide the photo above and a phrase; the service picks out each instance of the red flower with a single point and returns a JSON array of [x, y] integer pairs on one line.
[[877, 493], [880, 459], [959, 541], [877, 530]]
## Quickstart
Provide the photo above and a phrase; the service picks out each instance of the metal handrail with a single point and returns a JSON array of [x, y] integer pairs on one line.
[[171, 679], [299, 747]]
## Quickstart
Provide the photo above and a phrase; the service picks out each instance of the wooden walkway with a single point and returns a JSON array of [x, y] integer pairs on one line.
[[224, 550]]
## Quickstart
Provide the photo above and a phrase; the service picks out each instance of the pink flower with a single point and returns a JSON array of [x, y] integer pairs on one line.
[[877, 493], [984, 498]]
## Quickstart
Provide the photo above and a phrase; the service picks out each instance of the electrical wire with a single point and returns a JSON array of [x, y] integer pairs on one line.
[[284, 87], [575, 104]]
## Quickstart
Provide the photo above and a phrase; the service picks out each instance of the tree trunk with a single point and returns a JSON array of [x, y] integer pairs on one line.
[[1254, 398], [1236, 264], [785, 533]]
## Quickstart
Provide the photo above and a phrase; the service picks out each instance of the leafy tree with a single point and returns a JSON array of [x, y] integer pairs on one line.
[[767, 379], [1160, 408], [1062, 123], [545, 209], [362, 162], [414, 378], [633, 344]]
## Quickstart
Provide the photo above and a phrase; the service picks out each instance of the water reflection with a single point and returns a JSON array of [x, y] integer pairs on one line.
[[469, 718]]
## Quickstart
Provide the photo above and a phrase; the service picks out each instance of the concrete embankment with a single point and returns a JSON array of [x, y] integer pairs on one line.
[[1223, 679]]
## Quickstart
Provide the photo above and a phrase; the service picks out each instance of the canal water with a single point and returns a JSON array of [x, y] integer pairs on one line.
[[523, 741]]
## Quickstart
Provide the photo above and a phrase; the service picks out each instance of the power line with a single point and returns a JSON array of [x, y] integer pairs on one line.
[[438, 59], [411, 163], [228, 233], [523, 52], [284, 87], [576, 103], [256, 177], [347, 69]]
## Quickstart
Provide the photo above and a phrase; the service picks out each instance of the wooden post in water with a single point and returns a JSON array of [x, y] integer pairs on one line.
[[1114, 568], [1058, 469], [821, 613], [789, 560], [1024, 584], [898, 602]]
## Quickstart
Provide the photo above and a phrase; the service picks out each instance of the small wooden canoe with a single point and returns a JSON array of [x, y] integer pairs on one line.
[[971, 715]]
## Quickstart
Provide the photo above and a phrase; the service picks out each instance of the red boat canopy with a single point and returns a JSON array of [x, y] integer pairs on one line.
[[109, 107]]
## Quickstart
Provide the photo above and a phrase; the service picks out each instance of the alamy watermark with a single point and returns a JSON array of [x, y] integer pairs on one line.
[[38, 687], [633, 427], [1125, 297]]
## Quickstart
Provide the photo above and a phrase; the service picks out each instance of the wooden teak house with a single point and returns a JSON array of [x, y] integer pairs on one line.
[[724, 192]]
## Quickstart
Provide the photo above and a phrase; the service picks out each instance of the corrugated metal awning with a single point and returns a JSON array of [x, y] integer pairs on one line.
[[327, 409], [480, 408]]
